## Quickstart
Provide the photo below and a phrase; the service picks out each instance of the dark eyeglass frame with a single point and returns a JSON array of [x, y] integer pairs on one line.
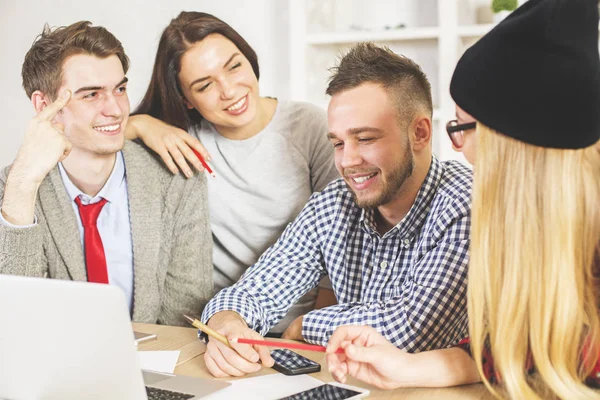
[[455, 131]]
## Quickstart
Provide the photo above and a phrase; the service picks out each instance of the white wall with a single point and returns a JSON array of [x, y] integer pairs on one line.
[[138, 24]]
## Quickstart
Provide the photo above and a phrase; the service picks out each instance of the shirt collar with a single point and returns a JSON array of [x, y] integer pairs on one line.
[[110, 189], [411, 224]]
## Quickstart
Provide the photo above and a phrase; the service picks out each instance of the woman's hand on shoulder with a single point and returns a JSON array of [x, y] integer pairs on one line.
[[174, 145]]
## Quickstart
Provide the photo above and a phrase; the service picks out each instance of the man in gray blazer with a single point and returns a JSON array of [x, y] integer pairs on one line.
[[79, 203]]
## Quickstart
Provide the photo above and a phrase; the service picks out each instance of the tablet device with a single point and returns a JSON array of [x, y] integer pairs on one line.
[[330, 391]]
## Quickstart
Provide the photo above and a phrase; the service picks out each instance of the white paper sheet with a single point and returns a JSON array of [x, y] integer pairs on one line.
[[159, 361], [267, 387]]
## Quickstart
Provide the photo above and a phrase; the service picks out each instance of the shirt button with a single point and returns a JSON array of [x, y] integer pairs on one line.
[[406, 242], [384, 264]]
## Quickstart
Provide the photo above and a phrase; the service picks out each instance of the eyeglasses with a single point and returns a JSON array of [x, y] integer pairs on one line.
[[456, 131]]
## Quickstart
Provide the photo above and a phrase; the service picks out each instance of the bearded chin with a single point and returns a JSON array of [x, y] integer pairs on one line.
[[392, 184]]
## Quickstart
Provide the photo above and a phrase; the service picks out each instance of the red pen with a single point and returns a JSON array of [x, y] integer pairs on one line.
[[285, 345], [204, 164]]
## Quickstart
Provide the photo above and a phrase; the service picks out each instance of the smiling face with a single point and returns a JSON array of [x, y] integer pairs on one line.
[[372, 152], [96, 116], [218, 81]]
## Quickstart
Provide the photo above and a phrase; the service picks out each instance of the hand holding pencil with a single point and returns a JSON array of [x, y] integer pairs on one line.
[[223, 356], [270, 343], [204, 328]]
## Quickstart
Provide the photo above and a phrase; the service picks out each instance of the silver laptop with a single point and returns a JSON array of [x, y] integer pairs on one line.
[[73, 340]]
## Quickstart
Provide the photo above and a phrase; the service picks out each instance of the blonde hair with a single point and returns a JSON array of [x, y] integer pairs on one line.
[[532, 289]]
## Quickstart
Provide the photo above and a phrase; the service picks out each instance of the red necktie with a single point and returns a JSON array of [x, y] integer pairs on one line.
[[95, 260]]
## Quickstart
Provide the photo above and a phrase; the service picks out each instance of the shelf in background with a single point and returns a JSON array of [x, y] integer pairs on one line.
[[406, 34], [474, 30]]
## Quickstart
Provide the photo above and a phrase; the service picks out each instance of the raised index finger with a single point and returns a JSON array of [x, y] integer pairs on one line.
[[52, 109]]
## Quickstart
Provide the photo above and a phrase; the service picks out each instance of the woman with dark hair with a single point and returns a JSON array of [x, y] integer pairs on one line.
[[268, 155]]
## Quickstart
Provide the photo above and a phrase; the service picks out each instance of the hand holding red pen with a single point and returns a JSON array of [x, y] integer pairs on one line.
[[177, 148], [204, 164], [365, 355]]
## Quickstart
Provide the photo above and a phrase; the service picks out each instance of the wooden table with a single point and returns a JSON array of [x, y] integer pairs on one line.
[[191, 363]]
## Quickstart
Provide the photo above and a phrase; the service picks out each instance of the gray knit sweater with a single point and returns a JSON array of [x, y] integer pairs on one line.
[[171, 239]]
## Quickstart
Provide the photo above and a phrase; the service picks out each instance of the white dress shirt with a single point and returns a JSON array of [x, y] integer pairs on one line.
[[113, 225]]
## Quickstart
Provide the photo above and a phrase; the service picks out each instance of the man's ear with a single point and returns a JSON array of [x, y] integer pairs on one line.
[[39, 101], [421, 132]]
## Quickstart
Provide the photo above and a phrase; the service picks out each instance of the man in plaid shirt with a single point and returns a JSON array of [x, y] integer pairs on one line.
[[392, 233]]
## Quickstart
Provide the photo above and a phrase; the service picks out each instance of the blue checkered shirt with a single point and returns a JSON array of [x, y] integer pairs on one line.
[[410, 284]]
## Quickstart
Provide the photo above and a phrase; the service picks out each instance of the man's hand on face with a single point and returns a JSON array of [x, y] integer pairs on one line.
[[44, 144]]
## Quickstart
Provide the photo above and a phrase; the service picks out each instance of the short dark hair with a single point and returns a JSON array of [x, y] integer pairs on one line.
[[42, 67], [164, 97], [401, 77]]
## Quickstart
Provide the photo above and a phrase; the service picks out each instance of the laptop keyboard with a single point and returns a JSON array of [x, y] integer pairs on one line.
[[162, 394]]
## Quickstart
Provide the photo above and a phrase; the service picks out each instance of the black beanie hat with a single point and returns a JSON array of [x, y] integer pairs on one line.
[[536, 76]]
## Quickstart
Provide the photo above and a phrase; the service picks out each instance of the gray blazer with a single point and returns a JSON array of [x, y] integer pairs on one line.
[[171, 236]]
